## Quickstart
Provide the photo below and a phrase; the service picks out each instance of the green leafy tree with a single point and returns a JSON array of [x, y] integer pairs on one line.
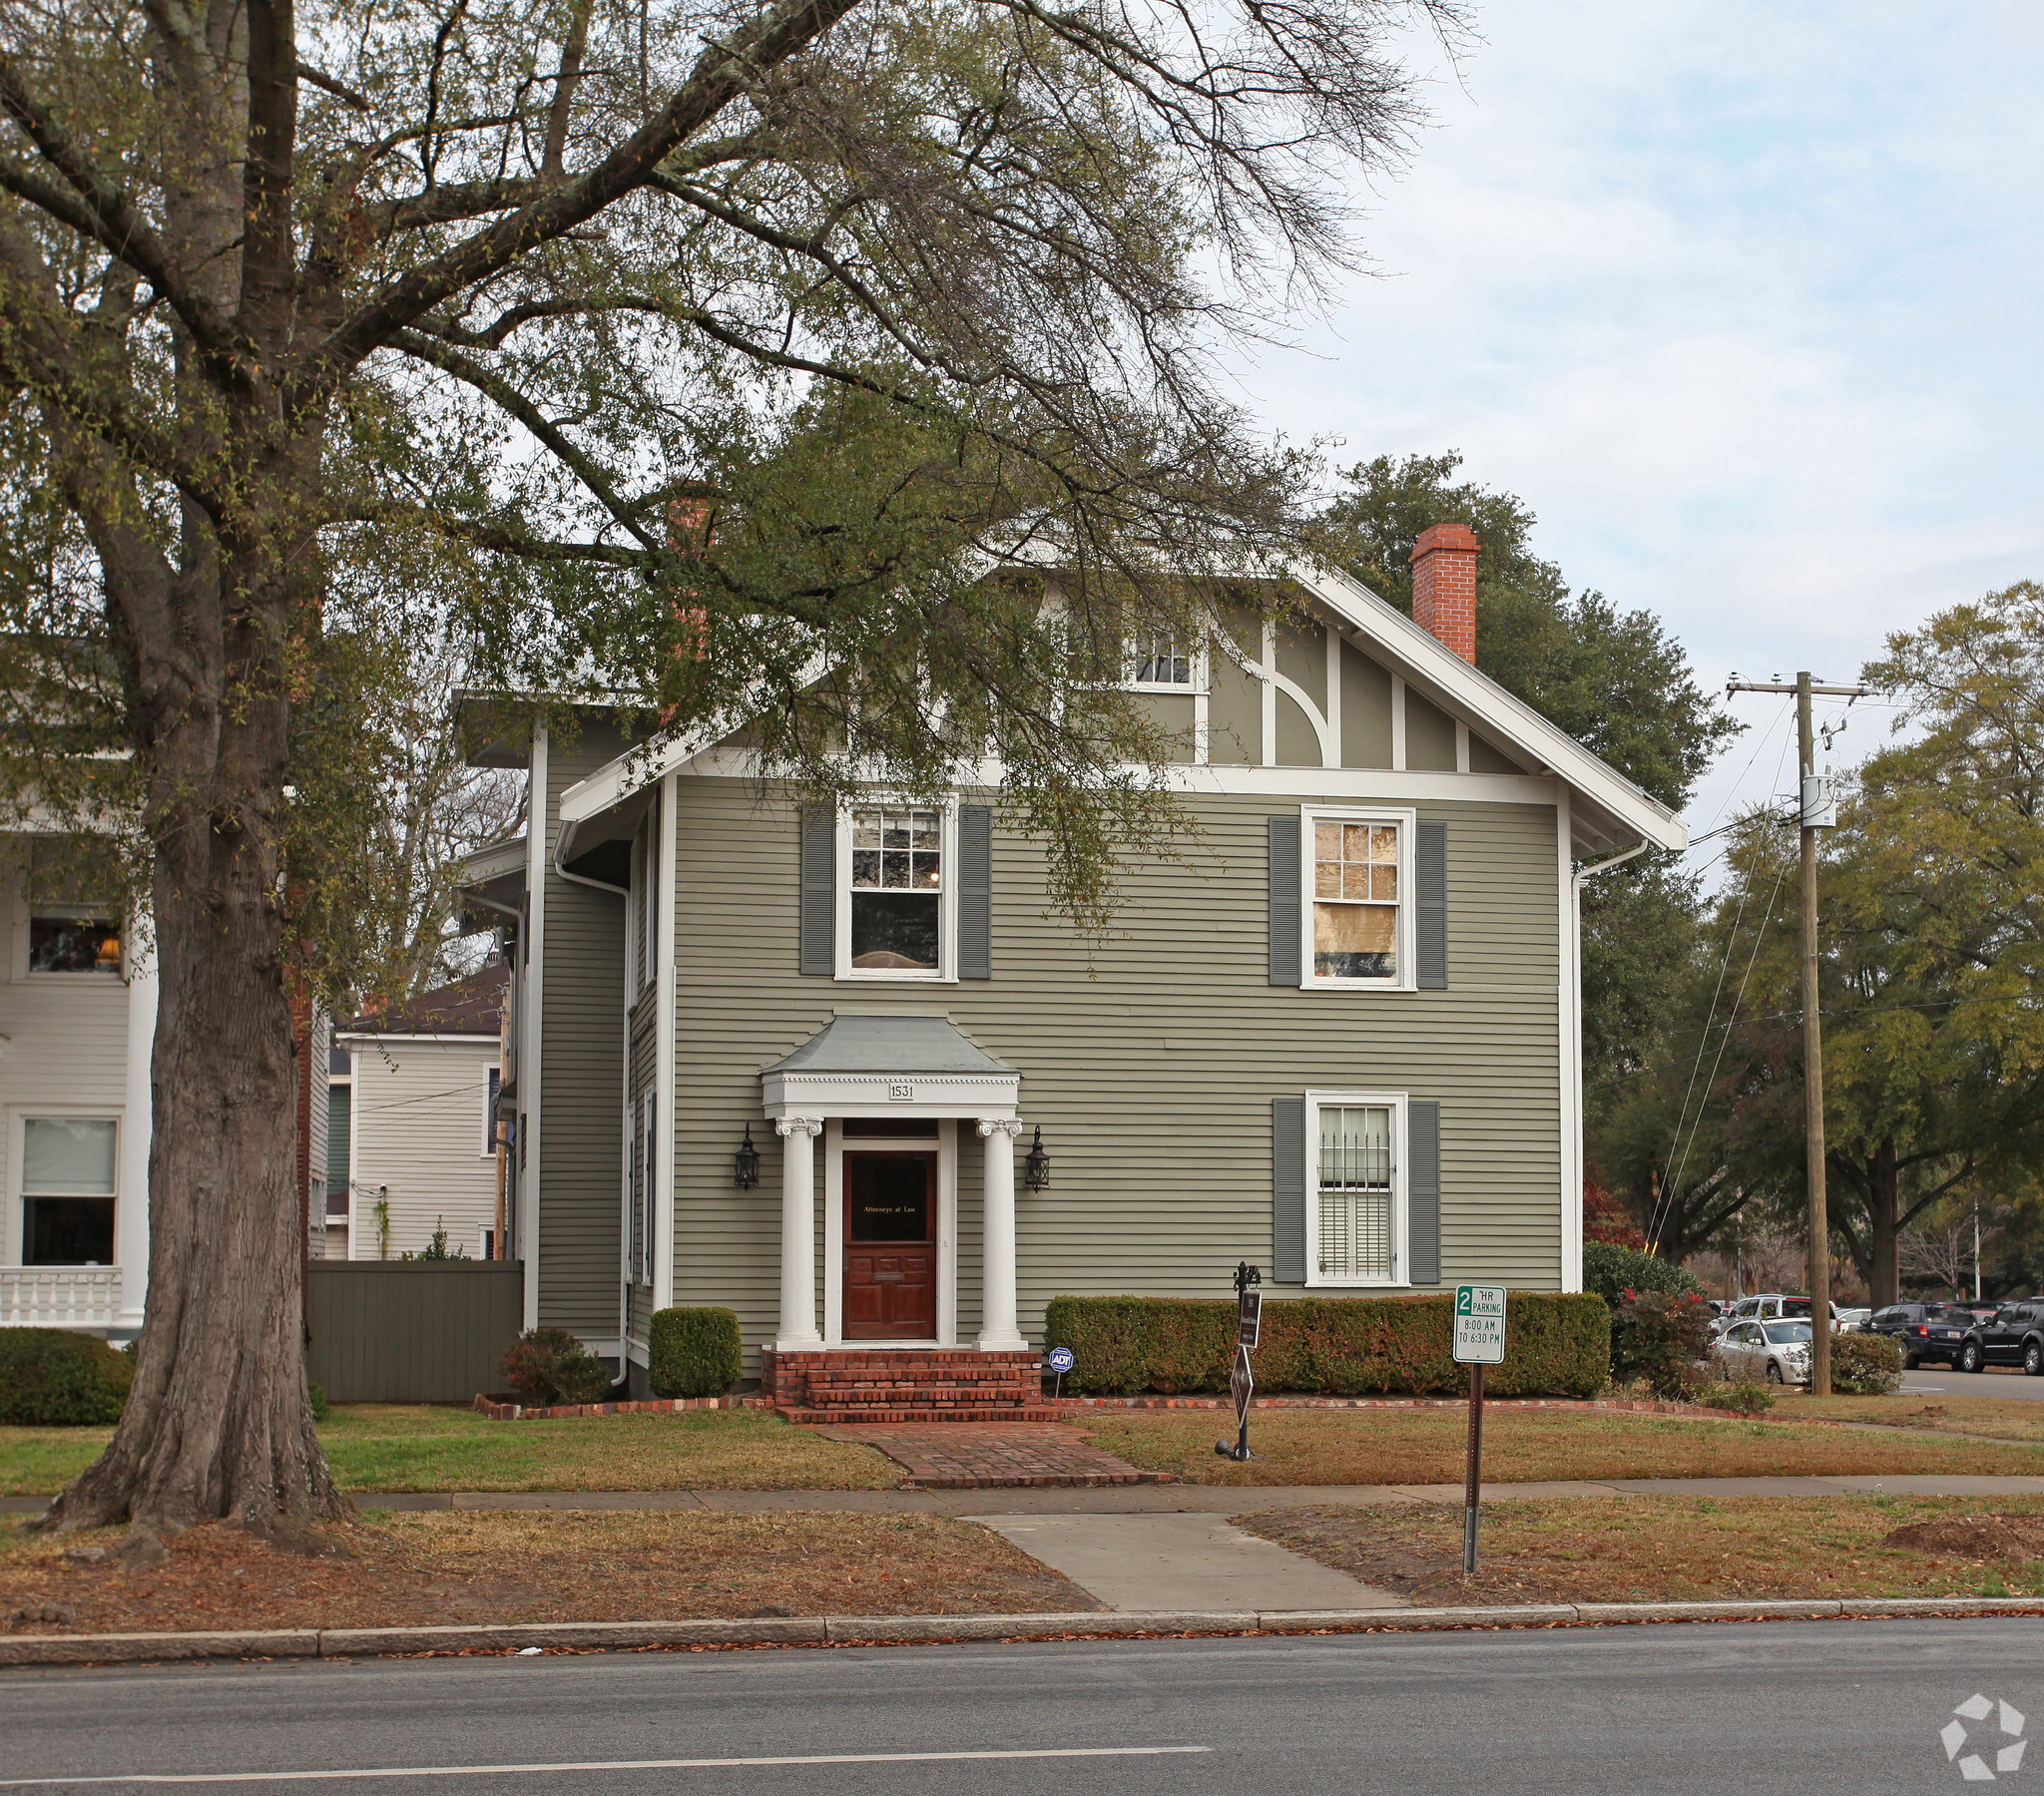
[[725, 358], [1615, 680], [1931, 950]]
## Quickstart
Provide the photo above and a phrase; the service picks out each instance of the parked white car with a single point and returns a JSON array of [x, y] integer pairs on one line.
[[1852, 1321], [1777, 1351]]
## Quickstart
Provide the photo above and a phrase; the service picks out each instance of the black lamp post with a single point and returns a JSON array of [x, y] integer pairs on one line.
[[744, 1165], [1036, 1167]]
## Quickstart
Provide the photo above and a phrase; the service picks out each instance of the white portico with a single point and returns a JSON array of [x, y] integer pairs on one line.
[[891, 1101]]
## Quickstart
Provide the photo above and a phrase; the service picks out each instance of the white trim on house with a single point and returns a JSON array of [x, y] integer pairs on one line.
[[1406, 823], [1401, 1246], [665, 1075], [919, 1095], [532, 945]]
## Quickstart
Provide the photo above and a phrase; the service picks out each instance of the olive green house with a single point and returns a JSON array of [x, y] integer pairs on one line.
[[851, 1077]]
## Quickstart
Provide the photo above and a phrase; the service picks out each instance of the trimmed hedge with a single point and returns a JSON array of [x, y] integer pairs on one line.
[[58, 1378], [1611, 1270], [1556, 1344], [551, 1366], [694, 1352]]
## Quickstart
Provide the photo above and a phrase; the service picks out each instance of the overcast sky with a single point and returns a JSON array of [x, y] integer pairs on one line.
[[1743, 299]]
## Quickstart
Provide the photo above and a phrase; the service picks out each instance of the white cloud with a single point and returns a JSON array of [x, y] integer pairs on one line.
[[1742, 301]]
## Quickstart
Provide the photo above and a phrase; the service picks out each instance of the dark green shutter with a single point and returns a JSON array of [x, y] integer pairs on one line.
[[1287, 1185], [819, 892], [1431, 907], [975, 891], [1424, 1190], [1285, 904]]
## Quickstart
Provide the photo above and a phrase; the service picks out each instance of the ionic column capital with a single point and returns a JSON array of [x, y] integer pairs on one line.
[[788, 1125], [993, 1126]]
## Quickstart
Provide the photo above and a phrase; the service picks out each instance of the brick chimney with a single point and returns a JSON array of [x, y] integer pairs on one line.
[[1444, 586]]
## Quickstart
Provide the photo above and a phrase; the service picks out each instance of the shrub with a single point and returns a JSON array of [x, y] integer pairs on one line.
[[58, 1378], [1556, 1344], [694, 1352], [1611, 1270], [1738, 1391], [1658, 1337], [551, 1366], [316, 1397], [1865, 1365]]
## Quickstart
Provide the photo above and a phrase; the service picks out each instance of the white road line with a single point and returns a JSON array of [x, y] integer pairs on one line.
[[678, 1764]]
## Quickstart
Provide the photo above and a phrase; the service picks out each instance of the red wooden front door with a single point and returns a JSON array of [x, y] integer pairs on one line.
[[891, 1246]]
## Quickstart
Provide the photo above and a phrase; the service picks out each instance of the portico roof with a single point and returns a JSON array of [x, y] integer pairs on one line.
[[889, 1066]]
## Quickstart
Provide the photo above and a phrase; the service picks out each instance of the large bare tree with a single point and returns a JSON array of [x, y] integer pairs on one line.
[[672, 350]]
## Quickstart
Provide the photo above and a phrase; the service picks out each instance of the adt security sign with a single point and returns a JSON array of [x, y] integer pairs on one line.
[[1061, 1359], [1481, 1324]]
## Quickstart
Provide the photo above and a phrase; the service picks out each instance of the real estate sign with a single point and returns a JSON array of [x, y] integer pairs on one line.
[[1479, 1324]]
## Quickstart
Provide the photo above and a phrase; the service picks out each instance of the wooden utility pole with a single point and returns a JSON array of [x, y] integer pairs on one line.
[[1815, 810]]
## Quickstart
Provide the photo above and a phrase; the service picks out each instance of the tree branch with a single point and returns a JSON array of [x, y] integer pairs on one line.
[[721, 73]]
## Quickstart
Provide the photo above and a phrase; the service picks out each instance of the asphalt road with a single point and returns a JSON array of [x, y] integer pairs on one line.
[[1815, 1707], [1990, 1381]]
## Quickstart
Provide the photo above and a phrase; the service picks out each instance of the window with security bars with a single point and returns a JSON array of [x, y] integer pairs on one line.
[[897, 885], [1357, 1237]]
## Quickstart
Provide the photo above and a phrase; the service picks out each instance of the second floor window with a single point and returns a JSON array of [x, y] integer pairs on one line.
[[1355, 899], [897, 890], [73, 942], [1160, 662]]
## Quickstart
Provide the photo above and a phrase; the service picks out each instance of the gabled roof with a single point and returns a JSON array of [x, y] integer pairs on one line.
[[466, 1007], [1608, 811]]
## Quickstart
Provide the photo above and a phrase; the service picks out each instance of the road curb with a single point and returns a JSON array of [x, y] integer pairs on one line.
[[846, 1630]]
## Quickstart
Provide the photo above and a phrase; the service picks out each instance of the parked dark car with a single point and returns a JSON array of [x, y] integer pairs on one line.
[[2015, 1337], [1924, 1331]]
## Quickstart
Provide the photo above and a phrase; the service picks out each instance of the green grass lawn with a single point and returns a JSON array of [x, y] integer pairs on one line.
[[403, 1447]]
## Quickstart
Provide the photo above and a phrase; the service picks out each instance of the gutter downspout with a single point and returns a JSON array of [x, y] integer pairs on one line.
[[1572, 1074]]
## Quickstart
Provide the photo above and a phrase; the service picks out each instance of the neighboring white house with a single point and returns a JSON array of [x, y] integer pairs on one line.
[[77, 1019], [416, 1108]]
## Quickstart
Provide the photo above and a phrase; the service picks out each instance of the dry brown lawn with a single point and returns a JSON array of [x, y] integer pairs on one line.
[[1660, 1549], [466, 1565], [2001, 1418], [1378, 1446]]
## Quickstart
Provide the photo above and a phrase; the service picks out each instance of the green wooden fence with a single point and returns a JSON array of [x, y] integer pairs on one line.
[[411, 1331]]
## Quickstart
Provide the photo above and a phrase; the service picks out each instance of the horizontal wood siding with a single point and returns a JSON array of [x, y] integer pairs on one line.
[[583, 1089], [389, 1332], [418, 1125], [1151, 1063]]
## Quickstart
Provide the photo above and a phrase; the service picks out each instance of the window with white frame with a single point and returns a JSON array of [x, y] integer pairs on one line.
[[495, 1086], [1358, 882], [895, 913], [1355, 1214], [68, 1190], [1159, 660]]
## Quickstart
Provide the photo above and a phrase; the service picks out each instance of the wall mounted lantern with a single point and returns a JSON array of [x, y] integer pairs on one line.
[[1036, 1168], [744, 1165]]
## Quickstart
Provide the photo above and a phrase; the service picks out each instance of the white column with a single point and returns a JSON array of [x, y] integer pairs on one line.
[[131, 1209], [666, 1083], [997, 1328], [798, 1233]]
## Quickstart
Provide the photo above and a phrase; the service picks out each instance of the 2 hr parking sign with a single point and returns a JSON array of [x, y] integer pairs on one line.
[[1479, 1324]]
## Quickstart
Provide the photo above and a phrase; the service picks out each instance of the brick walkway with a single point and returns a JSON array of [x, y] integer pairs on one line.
[[970, 1456]]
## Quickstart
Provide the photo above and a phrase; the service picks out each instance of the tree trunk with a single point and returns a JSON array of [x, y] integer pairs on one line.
[[219, 1426], [1883, 1211]]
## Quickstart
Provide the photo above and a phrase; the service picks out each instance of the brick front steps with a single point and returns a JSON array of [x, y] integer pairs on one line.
[[891, 1385]]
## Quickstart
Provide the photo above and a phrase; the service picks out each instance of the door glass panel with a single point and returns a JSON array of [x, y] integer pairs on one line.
[[889, 1197]]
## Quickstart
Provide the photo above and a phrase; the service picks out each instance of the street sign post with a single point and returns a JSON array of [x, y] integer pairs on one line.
[[1248, 1328], [1479, 1342]]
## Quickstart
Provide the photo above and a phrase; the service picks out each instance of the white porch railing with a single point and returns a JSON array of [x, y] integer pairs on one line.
[[59, 1296]]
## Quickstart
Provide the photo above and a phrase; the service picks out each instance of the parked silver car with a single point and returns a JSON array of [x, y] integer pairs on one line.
[[1775, 1351]]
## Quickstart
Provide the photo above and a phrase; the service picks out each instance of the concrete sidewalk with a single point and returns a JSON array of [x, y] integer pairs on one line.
[[1211, 1499]]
